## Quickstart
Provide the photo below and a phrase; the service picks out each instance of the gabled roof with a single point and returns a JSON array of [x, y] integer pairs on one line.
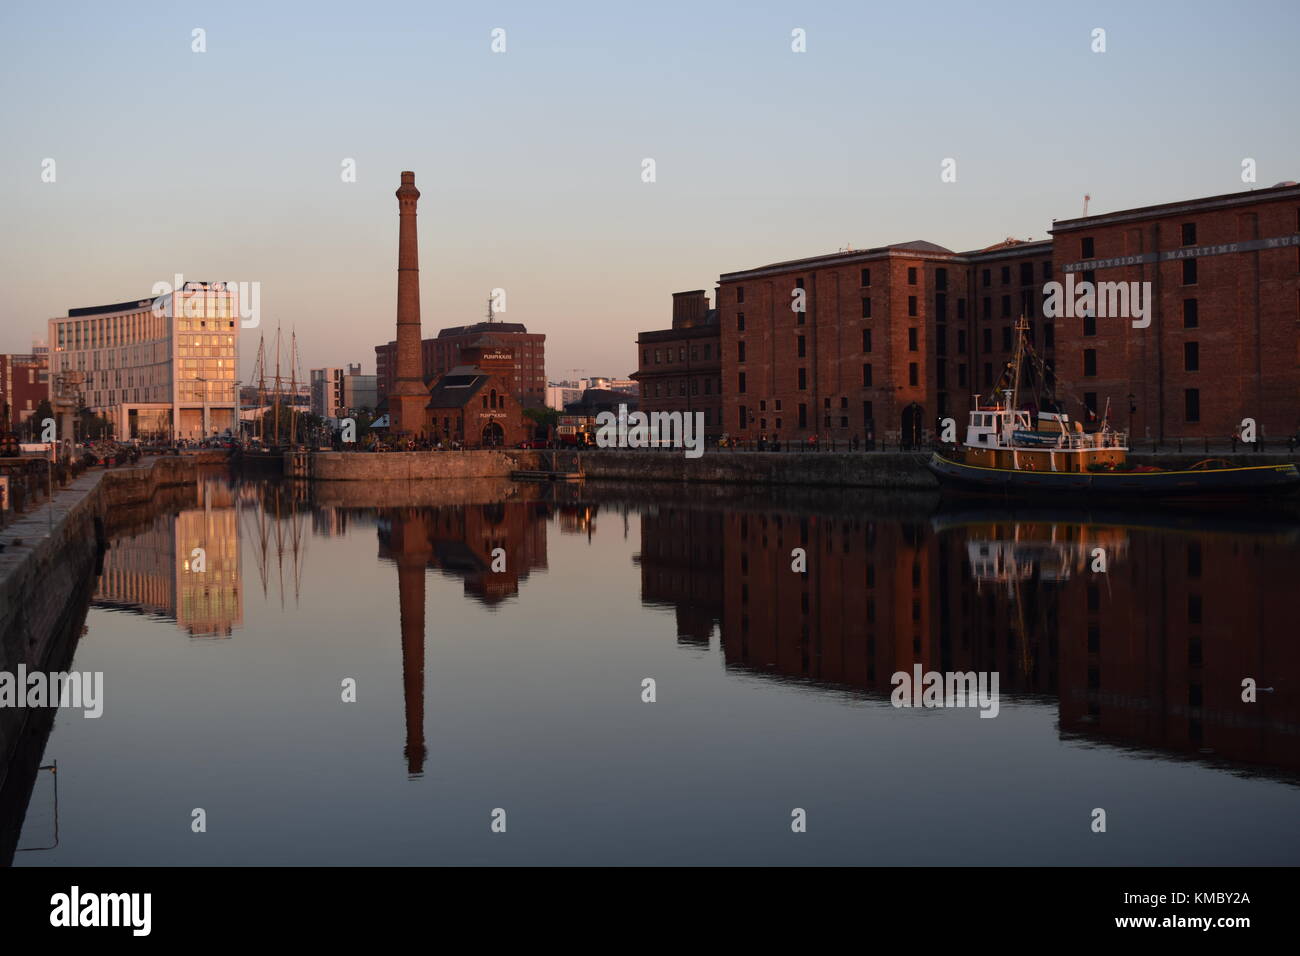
[[457, 387]]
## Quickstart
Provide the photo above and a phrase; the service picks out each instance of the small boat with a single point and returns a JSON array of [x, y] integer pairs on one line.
[[1004, 453]]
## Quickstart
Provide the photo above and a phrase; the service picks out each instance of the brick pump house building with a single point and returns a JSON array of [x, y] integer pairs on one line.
[[680, 369], [446, 351], [475, 403], [892, 339]]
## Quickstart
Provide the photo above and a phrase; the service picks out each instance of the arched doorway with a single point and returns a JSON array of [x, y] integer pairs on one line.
[[913, 417], [494, 435]]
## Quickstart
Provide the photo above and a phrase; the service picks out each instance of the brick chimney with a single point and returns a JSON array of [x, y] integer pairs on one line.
[[407, 399]]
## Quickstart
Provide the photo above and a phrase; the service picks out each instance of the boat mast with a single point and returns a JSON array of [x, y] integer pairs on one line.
[[1022, 327]]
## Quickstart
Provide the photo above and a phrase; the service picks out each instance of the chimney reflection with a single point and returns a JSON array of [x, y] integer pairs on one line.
[[492, 547]]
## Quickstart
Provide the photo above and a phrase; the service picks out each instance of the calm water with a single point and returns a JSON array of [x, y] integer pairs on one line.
[[522, 689]]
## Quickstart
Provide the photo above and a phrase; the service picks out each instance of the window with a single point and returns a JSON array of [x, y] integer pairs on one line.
[[866, 340], [988, 307], [798, 283], [668, 356], [866, 376], [913, 373], [1006, 275], [1090, 362], [802, 348], [961, 310], [987, 277], [911, 275], [658, 353], [911, 340], [1191, 357], [941, 278], [1049, 335], [1047, 270], [740, 293], [1192, 405], [961, 341], [740, 321], [844, 402], [803, 378], [1006, 338], [1089, 325], [740, 351], [826, 402], [1189, 272], [1191, 314], [866, 308], [1189, 233], [988, 340], [866, 277], [803, 415], [1090, 403], [988, 375], [941, 308], [1026, 273], [866, 413], [740, 382], [1006, 307], [1086, 250], [911, 305], [742, 416], [961, 375]]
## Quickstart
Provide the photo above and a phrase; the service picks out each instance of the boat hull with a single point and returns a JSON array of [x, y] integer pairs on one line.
[[1208, 482]]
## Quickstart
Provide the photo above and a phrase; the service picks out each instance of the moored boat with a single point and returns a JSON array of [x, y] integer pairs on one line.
[[1003, 452]]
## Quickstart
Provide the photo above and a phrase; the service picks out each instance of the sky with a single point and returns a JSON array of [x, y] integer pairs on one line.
[[227, 164]]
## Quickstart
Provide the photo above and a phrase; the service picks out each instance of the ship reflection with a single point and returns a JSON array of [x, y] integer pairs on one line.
[[1149, 653]]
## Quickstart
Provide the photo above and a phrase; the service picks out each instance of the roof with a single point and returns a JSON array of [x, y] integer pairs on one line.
[[457, 387], [1283, 190], [513, 328], [916, 246]]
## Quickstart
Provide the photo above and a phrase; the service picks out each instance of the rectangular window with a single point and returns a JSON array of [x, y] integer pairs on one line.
[[1090, 403], [1086, 249], [1006, 338], [1189, 233], [986, 278], [1049, 335], [866, 376], [911, 275], [1191, 357], [988, 375], [961, 341], [740, 352], [1006, 275], [1006, 307], [740, 321], [1089, 325], [1090, 362], [803, 415], [741, 410], [740, 383], [1191, 314], [988, 340], [1192, 405], [866, 277], [1189, 272], [911, 305], [866, 340], [941, 278], [911, 340], [1026, 273], [1047, 270], [913, 374], [988, 307], [740, 293], [802, 346], [961, 375], [803, 378], [866, 308]]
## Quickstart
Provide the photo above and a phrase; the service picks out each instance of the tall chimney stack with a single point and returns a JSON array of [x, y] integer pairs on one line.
[[408, 398]]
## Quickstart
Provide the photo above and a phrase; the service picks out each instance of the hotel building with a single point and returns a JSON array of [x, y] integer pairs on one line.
[[162, 367]]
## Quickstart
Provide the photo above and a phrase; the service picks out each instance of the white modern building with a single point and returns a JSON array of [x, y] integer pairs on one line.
[[162, 367]]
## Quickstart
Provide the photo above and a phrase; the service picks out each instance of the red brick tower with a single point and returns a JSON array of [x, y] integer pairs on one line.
[[407, 399]]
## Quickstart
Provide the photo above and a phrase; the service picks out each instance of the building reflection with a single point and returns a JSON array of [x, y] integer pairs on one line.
[[182, 565], [1149, 654]]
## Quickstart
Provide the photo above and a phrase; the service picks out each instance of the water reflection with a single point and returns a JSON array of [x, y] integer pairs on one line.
[[1151, 653], [1146, 656]]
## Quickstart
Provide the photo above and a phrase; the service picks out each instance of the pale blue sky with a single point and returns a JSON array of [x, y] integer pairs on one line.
[[226, 164]]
